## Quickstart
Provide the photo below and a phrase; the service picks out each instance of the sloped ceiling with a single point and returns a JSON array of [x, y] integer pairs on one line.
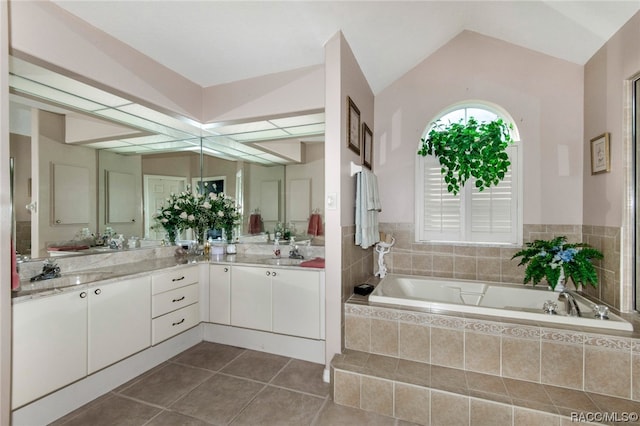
[[215, 42]]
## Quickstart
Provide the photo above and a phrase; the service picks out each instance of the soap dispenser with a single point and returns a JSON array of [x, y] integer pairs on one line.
[[276, 249]]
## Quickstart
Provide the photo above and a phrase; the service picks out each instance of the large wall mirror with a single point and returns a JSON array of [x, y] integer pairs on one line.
[[87, 162]]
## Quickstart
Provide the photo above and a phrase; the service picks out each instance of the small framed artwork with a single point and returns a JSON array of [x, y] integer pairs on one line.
[[600, 158], [367, 146], [353, 127]]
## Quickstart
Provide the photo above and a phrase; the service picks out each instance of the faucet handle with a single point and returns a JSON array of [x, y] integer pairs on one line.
[[600, 311], [550, 307]]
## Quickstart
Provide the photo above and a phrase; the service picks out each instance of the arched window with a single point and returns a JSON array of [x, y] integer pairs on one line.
[[490, 216]]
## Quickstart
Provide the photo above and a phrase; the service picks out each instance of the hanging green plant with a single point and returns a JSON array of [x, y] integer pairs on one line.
[[469, 150]]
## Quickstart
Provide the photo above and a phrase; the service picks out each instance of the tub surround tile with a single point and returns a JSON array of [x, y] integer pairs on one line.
[[376, 395], [484, 413], [357, 333], [449, 409], [414, 342], [607, 371], [521, 358], [447, 347], [412, 404], [338, 415], [346, 388], [563, 364], [482, 352], [525, 417], [384, 337]]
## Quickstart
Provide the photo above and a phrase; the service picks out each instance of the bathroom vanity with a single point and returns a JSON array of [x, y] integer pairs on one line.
[[92, 320]]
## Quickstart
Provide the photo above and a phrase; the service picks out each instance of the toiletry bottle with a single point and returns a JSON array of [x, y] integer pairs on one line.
[[276, 249], [207, 247]]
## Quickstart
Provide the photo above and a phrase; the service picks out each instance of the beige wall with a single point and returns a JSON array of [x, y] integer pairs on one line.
[[544, 95], [604, 102], [21, 152], [269, 95], [312, 169]]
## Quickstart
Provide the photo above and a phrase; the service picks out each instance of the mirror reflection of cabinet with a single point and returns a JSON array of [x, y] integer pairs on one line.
[[121, 197], [270, 200], [71, 194]]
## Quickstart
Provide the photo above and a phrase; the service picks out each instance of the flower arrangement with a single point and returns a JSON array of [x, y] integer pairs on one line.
[[557, 261], [192, 210]]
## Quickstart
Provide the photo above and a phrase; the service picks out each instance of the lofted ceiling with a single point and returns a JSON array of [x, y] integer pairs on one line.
[[214, 42]]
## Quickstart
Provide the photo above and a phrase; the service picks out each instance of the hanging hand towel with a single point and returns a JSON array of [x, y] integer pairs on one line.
[[255, 223], [315, 225], [367, 207]]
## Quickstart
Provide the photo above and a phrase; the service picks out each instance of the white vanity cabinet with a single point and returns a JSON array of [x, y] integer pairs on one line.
[[251, 297], [119, 321], [220, 294], [297, 301], [174, 302], [279, 300], [49, 345]]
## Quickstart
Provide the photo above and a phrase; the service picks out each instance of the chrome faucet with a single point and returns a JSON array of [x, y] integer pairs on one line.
[[571, 306], [294, 253]]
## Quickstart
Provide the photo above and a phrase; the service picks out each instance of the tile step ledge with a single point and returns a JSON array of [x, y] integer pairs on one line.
[[372, 382]]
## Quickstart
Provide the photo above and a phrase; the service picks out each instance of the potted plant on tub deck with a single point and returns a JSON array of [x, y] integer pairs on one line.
[[557, 261]]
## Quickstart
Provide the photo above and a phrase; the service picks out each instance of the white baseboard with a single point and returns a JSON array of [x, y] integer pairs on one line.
[[279, 344], [55, 405]]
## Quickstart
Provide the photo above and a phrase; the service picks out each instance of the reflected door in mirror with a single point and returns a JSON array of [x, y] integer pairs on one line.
[[156, 190]]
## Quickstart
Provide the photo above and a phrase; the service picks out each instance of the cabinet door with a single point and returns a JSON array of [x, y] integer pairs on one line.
[[296, 303], [49, 345], [251, 297], [119, 321], [220, 294]]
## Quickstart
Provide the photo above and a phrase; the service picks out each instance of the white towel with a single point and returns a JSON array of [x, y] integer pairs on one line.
[[367, 207]]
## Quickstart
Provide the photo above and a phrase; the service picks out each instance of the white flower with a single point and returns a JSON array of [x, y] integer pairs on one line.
[[191, 218], [167, 213], [164, 220], [206, 205], [183, 215], [220, 213], [213, 195], [176, 207]]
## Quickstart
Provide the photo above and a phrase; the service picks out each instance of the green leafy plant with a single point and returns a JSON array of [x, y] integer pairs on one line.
[[469, 150], [555, 259]]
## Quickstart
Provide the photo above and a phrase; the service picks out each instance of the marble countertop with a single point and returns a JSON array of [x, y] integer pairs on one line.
[[86, 278]]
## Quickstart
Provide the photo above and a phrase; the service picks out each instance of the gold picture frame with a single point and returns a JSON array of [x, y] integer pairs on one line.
[[367, 146], [600, 154], [353, 126]]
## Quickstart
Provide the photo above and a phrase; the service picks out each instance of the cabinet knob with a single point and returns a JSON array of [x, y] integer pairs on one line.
[[133, 220], [178, 279], [97, 291], [58, 221], [268, 273], [273, 274], [83, 295], [226, 269], [180, 299], [178, 323]]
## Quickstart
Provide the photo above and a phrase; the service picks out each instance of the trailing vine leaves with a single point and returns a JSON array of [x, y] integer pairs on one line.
[[469, 150]]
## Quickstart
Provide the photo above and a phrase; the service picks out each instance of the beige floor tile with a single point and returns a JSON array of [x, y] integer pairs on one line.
[[212, 356], [114, 411], [219, 399], [167, 384], [170, 418], [303, 376], [275, 406], [256, 365], [339, 415]]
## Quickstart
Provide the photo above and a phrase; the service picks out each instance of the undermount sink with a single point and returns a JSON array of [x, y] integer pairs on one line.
[[285, 261]]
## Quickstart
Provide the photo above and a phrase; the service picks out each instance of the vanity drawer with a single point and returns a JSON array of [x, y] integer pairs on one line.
[[171, 300], [174, 279], [175, 322]]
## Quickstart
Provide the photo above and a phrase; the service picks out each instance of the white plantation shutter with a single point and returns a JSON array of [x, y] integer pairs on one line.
[[491, 216], [441, 210]]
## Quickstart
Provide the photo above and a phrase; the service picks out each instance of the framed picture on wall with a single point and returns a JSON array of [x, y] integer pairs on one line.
[[367, 146], [600, 158], [353, 126]]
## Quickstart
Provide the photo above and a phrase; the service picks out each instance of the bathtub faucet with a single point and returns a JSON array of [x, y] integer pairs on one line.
[[571, 306]]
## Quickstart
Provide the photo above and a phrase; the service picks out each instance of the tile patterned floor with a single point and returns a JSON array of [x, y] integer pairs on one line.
[[213, 384]]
